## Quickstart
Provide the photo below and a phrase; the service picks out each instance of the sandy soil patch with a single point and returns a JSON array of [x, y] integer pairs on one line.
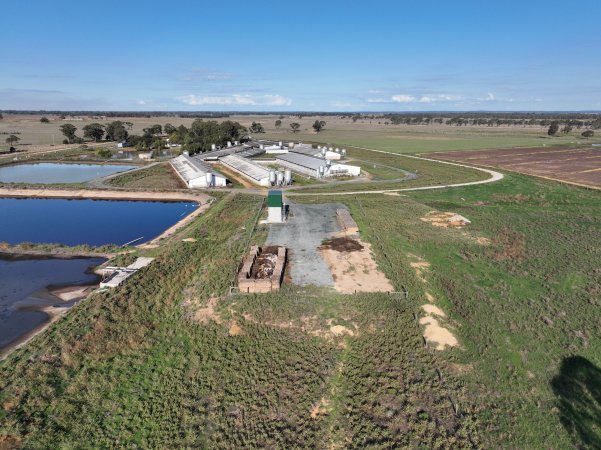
[[72, 292], [420, 267], [235, 330], [353, 267], [482, 240], [433, 310], [436, 335], [208, 313], [446, 219]]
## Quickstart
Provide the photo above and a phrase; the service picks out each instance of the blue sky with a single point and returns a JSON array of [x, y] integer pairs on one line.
[[304, 55]]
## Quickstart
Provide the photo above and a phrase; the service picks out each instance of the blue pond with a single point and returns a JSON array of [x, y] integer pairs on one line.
[[92, 222], [52, 173], [23, 290]]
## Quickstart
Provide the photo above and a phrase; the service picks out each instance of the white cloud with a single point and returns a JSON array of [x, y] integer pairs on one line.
[[405, 98], [402, 98], [140, 102], [204, 74], [235, 100]]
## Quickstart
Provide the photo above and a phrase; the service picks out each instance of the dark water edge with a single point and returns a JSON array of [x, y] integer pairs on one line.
[[26, 288]]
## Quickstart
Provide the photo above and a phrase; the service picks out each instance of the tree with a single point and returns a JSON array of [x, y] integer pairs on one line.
[[44, 120], [69, 131], [567, 129], [105, 153], [588, 134], [129, 125], [278, 123], [295, 126], [256, 127], [319, 125], [93, 131], [168, 128], [1, 116], [155, 129], [553, 128], [12, 139], [115, 131]]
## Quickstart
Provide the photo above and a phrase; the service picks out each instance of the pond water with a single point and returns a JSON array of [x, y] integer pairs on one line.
[[92, 222], [53, 173], [23, 290]]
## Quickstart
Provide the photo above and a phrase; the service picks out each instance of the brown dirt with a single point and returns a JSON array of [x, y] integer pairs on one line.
[[355, 270], [436, 334], [321, 409], [445, 219], [342, 244], [579, 166], [420, 267], [235, 330], [509, 245], [208, 313]]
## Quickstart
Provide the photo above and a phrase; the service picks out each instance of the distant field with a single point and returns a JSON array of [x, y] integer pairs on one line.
[[338, 131], [573, 165]]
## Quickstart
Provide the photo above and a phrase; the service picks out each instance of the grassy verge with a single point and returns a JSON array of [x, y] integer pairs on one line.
[[159, 176]]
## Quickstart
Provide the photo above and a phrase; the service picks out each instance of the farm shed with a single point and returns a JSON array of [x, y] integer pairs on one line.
[[254, 172], [197, 174], [316, 167]]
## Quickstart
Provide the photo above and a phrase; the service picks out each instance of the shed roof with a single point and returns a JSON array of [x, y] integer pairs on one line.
[[249, 168], [310, 162]]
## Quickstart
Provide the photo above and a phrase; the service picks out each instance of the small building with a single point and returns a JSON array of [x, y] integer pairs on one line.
[[276, 212], [197, 174]]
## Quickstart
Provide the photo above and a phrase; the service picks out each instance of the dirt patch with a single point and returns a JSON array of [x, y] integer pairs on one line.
[[509, 245], [208, 313], [342, 244], [71, 293], [445, 219], [321, 409], [235, 330], [420, 267], [433, 310], [354, 270], [340, 330], [436, 334], [482, 241]]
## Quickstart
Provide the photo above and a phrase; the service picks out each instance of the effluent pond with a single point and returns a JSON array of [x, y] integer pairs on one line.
[[55, 173], [28, 287], [91, 222]]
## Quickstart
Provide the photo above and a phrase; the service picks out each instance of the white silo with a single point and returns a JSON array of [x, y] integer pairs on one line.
[[213, 147], [281, 144], [343, 152], [331, 149], [209, 178], [337, 150], [229, 144], [322, 171], [272, 177], [280, 178], [323, 151], [287, 177]]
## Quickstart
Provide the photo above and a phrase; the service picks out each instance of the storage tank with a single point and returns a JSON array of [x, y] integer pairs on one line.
[[213, 147], [262, 147], [337, 150], [343, 152], [322, 170], [328, 163], [280, 178], [290, 144], [229, 144], [287, 177], [331, 149], [323, 151], [272, 177], [236, 142], [280, 144], [209, 178]]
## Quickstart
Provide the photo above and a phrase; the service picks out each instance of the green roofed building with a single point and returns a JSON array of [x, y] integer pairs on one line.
[[275, 207]]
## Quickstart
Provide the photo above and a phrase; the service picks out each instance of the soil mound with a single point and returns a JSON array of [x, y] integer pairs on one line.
[[342, 244]]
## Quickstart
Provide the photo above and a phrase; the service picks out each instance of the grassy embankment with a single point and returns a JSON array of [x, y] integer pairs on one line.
[[159, 177]]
